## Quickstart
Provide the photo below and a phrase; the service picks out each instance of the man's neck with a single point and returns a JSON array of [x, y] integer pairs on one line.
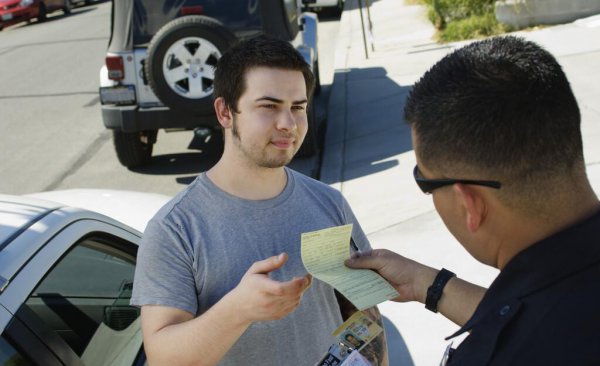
[[251, 183], [523, 232]]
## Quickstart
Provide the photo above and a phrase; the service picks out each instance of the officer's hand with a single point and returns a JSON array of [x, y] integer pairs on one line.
[[408, 277]]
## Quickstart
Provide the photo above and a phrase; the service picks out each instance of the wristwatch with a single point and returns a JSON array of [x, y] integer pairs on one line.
[[434, 292]]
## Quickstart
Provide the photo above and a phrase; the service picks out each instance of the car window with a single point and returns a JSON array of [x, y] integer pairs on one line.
[[9, 356], [84, 299], [151, 15]]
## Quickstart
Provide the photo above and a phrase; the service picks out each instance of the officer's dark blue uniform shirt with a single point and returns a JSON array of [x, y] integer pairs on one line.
[[544, 306]]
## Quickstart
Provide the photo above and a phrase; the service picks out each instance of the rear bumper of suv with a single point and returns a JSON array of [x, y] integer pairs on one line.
[[134, 119]]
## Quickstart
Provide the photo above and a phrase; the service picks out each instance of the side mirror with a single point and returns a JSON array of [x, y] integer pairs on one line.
[[119, 317]]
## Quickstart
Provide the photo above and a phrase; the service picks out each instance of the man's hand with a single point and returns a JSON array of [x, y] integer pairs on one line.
[[408, 277], [258, 297], [172, 336]]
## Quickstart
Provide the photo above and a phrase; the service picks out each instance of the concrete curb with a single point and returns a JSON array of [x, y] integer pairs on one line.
[[332, 166]]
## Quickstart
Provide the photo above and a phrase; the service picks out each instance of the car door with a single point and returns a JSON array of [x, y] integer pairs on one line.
[[19, 346], [53, 5], [77, 302]]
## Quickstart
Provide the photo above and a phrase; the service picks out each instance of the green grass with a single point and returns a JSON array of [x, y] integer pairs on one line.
[[463, 19], [475, 26]]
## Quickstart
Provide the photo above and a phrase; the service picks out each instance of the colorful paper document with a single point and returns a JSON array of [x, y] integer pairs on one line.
[[324, 253], [358, 331]]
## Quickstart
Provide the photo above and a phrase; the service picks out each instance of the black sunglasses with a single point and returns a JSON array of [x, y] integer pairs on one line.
[[429, 185]]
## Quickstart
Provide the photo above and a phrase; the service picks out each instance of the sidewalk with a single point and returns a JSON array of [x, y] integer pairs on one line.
[[368, 154]]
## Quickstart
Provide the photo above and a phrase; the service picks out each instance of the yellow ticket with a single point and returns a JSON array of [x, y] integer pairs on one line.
[[323, 254]]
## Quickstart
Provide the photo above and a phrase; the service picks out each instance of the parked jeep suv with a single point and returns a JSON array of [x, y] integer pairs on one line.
[[160, 63]]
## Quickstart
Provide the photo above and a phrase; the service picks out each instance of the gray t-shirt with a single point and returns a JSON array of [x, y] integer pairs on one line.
[[199, 245]]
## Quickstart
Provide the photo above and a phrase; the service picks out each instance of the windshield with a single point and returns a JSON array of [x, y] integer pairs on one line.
[[151, 15]]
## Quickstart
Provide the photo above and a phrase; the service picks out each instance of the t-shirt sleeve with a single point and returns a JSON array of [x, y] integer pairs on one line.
[[164, 273], [357, 232]]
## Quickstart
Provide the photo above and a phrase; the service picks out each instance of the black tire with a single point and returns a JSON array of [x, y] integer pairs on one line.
[[216, 39], [42, 13], [339, 9], [317, 79], [134, 149], [310, 144], [67, 7]]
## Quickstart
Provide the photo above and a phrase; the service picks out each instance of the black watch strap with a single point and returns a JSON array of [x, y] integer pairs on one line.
[[434, 292]]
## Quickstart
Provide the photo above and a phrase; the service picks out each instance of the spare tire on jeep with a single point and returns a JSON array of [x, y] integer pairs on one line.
[[181, 60]]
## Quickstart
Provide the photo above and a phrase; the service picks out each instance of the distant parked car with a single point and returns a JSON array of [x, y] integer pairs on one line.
[[66, 277], [86, 2], [16, 11], [317, 5], [159, 67]]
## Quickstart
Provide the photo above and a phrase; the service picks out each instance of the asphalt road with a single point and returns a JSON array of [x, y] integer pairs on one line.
[[52, 136]]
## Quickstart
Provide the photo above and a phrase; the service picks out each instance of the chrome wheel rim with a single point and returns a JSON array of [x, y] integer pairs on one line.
[[189, 67]]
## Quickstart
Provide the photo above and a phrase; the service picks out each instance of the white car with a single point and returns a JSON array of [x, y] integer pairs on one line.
[[66, 276], [159, 66]]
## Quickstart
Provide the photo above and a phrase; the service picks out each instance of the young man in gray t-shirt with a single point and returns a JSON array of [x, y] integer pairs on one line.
[[219, 277]]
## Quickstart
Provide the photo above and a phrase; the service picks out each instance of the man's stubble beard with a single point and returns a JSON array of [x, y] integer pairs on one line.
[[255, 154]]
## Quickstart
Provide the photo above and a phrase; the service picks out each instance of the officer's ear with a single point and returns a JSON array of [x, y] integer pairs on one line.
[[473, 203], [224, 114]]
